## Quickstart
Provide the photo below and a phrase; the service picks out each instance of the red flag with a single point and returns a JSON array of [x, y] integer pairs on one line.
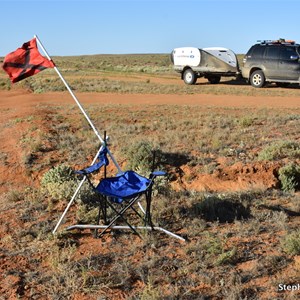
[[25, 61]]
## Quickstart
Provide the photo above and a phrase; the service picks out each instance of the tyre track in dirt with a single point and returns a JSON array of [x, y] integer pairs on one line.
[[20, 99]]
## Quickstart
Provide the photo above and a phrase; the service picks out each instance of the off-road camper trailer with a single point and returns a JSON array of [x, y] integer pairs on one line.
[[211, 63]]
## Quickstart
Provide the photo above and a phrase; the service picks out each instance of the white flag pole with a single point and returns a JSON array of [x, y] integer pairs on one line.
[[79, 105]]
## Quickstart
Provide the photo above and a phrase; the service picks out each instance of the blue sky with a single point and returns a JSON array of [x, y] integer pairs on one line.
[[75, 27]]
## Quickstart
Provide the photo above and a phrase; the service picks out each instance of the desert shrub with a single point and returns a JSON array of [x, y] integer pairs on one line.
[[289, 177], [59, 182], [226, 257], [86, 214], [279, 150], [246, 121], [140, 156], [144, 156], [40, 85], [58, 174], [213, 244], [150, 292], [213, 249], [291, 243], [271, 264], [5, 84], [14, 196]]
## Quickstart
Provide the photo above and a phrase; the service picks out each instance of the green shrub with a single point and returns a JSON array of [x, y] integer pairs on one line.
[[246, 121], [213, 245], [59, 182], [86, 214], [58, 174], [227, 257], [150, 292], [5, 84], [291, 243], [279, 150], [140, 156], [289, 177]]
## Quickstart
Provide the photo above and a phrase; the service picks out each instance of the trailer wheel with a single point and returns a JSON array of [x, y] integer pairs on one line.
[[257, 79], [214, 79], [189, 76]]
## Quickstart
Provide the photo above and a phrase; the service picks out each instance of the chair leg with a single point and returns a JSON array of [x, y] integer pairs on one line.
[[104, 203], [120, 215], [102, 210], [137, 213], [98, 219], [148, 219]]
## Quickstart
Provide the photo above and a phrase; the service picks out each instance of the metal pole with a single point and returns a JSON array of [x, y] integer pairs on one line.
[[75, 194], [89, 226], [79, 105]]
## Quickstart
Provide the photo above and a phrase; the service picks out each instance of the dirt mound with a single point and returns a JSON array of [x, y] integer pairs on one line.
[[238, 177]]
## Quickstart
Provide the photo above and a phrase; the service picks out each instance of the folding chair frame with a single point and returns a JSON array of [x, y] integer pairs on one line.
[[104, 203]]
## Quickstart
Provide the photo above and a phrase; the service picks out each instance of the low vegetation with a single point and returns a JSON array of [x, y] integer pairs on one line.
[[135, 73]]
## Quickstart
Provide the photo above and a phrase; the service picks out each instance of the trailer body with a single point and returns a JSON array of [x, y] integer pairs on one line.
[[211, 63]]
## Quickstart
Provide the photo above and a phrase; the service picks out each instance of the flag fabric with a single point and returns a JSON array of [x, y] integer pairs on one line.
[[25, 61]]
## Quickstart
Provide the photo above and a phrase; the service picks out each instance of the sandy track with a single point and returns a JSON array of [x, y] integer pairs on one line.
[[19, 99]]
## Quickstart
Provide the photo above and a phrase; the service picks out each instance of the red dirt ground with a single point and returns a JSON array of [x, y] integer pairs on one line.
[[21, 100], [18, 103]]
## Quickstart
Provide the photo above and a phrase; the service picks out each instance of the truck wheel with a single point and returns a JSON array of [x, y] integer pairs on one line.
[[214, 79], [257, 79], [189, 76]]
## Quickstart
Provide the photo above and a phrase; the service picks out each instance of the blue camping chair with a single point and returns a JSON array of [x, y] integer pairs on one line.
[[123, 191]]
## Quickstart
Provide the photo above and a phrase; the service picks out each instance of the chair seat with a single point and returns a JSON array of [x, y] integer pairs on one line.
[[127, 185]]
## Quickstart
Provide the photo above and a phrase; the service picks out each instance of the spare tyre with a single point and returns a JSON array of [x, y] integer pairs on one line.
[[214, 79]]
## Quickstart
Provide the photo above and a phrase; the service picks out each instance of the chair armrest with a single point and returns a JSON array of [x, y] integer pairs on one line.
[[158, 173], [91, 169]]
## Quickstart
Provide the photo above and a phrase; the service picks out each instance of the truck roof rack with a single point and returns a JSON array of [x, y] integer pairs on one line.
[[279, 41]]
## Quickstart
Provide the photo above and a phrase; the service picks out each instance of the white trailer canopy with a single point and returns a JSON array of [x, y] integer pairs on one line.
[[187, 56]]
